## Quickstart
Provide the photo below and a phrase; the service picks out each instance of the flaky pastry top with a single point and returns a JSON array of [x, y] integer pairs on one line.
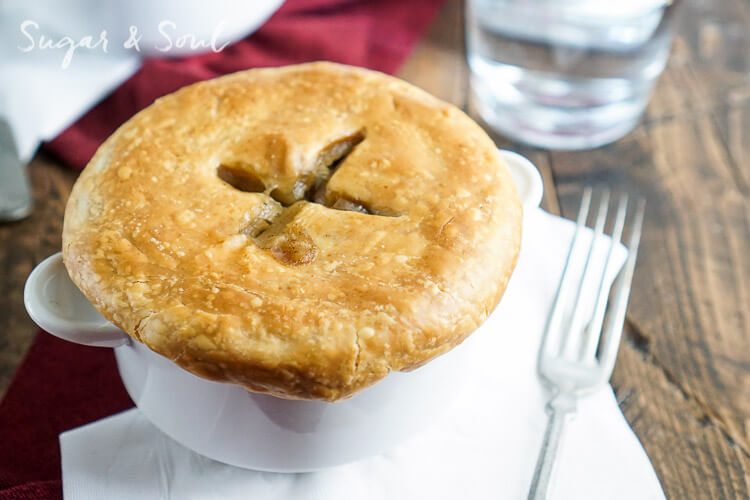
[[301, 231]]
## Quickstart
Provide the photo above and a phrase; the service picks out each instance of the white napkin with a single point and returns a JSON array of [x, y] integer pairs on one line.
[[485, 447], [38, 98]]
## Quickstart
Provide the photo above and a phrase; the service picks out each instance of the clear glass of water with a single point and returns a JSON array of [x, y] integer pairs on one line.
[[565, 74]]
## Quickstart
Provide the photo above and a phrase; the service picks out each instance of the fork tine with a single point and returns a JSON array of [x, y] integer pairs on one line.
[[572, 339], [594, 329], [555, 316], [612, 332], [570, 377]]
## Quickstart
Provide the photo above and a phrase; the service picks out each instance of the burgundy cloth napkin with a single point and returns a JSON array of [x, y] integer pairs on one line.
[[61, 385]]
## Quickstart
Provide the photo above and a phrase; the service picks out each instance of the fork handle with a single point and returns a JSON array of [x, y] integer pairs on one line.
[[559, 409]]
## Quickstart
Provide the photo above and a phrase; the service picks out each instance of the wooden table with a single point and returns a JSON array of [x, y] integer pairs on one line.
[[683, 373]]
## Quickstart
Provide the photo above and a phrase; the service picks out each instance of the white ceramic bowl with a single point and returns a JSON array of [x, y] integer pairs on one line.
[[256, 431]]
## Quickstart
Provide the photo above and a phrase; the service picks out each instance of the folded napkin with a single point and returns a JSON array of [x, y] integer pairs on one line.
[[38, 98], [484, 447]]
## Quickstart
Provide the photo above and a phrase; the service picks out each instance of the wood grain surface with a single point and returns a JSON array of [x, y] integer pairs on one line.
[[683, 372], [22, 246]]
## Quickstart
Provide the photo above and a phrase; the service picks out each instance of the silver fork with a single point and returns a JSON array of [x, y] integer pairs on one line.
[[574, 360]]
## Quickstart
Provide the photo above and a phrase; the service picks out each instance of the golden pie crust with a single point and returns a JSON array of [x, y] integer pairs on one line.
[[300, 231]]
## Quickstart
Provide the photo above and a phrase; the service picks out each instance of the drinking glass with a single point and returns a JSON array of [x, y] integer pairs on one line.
[[565, 74]]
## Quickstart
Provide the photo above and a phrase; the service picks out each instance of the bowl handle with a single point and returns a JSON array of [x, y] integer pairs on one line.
[[55, 304], [526, 176]]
